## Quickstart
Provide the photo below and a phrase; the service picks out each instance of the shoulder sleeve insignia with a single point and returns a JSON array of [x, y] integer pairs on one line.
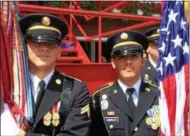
[[103, 87], [85, 109]]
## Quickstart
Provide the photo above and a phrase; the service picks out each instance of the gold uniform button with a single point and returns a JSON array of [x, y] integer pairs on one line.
[[58, 81], [111, 126], [114, 91], [136, 129]]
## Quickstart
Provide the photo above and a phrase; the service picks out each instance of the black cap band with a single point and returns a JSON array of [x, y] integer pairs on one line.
[[48, 36]]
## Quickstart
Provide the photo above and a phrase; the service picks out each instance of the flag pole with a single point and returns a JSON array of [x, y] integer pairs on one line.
[[189, 63], [188, 13]]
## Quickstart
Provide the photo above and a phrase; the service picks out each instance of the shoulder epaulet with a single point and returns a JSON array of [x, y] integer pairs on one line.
[[71, 77], [153, 85], [103, 87]]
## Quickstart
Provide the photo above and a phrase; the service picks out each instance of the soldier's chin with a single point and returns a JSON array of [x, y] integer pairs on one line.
[[42, 65], [129, 75]]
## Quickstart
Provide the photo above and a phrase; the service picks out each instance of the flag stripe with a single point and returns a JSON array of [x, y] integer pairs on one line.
[[180, 103], [165, 127], [186, 67], [169, 87]]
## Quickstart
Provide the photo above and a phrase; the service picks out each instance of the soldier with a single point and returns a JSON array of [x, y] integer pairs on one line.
[[149, 72], [129, 106], [61, 102]]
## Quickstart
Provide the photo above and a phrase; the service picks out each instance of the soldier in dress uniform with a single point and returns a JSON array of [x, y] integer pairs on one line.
[[129, 106], [61, 103], [149, 72]]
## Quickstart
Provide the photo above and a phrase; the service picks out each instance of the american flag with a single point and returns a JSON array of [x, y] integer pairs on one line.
[[173, 71]]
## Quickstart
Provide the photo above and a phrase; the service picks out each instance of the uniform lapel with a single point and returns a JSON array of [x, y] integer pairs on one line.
[[118, 98], [146, 99], [52, 95], [151, 70]]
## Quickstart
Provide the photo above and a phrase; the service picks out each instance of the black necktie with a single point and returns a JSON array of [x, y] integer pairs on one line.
[[130, 91], [40, 94]]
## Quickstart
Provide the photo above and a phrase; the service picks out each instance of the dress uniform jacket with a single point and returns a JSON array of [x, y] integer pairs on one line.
[[112, 117], [74, 116], [149, 73]]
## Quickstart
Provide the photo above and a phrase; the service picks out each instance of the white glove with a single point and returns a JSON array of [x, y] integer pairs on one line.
[[8, 124]]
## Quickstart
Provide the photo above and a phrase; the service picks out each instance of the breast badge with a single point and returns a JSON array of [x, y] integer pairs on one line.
[[104, 104]]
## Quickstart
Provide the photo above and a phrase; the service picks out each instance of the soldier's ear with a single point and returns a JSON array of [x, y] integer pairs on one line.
[[59, 52], [113, 63], [143, 61]]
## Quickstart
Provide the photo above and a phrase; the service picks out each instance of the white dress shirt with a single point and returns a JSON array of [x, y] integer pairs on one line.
[[35, 83], [135, 94], [8, 124]]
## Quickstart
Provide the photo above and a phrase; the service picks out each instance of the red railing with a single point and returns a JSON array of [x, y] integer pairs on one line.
[[146, 21], [92, 73]]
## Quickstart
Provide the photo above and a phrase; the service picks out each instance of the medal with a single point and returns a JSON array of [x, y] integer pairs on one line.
[[47, 119], [55, 114], [148, 121], [55, 119], [157, 119], [154, 126], [47, 122], [55, 123]]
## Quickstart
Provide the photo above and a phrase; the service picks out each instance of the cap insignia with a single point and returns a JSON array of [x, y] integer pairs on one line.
[[125, 51], [158, 31], [46, 21], [124, 36]]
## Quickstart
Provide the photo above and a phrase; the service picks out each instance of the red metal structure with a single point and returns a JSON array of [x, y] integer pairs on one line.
[[79, 65]]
